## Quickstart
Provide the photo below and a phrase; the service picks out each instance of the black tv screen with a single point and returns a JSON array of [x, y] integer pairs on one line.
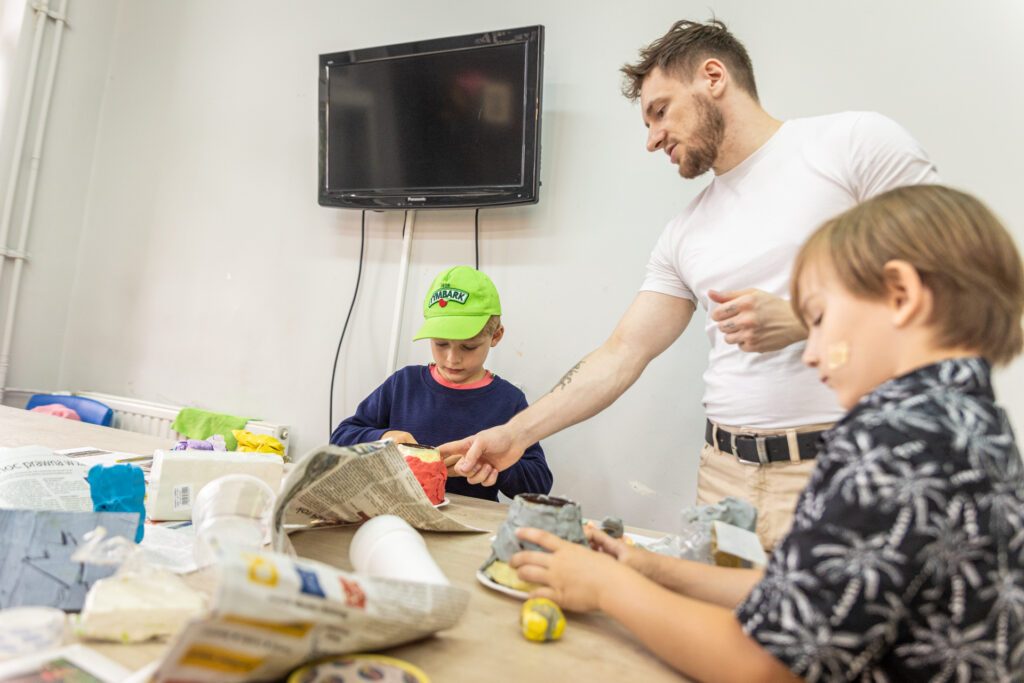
[[450, 122]]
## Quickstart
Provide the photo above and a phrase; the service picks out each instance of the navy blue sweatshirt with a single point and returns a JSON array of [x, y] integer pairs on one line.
[[412, 401]]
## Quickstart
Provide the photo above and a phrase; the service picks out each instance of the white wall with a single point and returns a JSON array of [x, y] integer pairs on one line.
[[11, 12], [181, 182], [65, 175]]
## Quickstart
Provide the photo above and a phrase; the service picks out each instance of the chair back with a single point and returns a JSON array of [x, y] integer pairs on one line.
[[90, 410]]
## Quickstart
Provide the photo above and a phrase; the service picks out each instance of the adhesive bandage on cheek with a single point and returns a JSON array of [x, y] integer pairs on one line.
[[837, 355]]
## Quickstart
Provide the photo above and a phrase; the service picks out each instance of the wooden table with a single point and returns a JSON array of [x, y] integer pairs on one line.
[[484, 645]]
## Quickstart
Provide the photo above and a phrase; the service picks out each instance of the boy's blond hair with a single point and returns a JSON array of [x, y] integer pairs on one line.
[[488, 330], [491, 326], [961, 251]]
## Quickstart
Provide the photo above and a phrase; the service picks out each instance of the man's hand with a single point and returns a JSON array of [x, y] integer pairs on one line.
[[487, 477], [573, 577], [756, 321], [480, 457], [399, 436]]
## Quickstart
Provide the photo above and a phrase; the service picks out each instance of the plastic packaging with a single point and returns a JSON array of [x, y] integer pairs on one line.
[[231, 511], [133, 607], [696, 538], [98, 549], [139, 601], [213, 443], [388, 547], [257, 443]]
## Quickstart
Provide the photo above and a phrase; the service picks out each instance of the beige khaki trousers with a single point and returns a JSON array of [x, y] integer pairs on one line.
[[772, 488]]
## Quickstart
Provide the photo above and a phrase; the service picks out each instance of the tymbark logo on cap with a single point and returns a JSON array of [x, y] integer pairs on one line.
[[442, 296], [474, 300]]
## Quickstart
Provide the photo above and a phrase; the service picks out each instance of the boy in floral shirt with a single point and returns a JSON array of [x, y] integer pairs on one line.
[[906, 558]]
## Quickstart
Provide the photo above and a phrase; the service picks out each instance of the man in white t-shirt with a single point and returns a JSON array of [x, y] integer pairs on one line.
[[730, 251]]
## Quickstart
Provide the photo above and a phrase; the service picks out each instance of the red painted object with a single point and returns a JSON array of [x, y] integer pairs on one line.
[[426, 463]]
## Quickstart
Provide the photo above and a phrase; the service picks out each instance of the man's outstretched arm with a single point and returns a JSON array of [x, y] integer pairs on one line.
[[651, 323]]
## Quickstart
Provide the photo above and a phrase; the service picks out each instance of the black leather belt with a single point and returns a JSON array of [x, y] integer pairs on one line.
[[761, 450]]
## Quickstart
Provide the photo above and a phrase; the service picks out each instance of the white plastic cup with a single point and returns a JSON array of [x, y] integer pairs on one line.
[[231, 512], [388, 547]]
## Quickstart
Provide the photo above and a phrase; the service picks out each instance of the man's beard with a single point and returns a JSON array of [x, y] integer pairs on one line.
[[710, 131]]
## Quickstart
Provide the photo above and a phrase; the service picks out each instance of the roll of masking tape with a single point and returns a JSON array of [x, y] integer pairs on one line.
[[24, 630]]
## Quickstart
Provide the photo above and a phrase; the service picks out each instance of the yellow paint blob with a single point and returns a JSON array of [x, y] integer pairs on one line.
[[837, 355]]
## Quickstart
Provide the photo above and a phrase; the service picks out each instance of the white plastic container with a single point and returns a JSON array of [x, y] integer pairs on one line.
[[179, 476], [231, 512], [388, 547]]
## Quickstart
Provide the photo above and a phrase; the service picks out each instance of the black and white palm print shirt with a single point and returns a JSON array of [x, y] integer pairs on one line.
[[906, 557]]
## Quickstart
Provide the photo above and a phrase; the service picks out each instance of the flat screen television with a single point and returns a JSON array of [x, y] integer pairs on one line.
[[442, 123]]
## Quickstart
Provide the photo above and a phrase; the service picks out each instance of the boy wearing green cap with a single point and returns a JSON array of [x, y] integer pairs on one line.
[[455, 396]]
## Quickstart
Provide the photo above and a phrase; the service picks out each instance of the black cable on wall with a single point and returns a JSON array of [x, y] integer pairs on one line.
[[337, 353]]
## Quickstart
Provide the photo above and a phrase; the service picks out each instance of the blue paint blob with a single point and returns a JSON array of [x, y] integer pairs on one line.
[[119, 488]]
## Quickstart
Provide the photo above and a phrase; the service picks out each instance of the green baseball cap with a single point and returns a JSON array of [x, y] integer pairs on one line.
[[459, 303]]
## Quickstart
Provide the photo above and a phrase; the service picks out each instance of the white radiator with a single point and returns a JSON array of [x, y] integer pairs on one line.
[[147, 417]]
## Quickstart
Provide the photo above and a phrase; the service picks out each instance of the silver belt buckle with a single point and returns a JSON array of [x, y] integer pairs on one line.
[[762, 450], [762, 454]]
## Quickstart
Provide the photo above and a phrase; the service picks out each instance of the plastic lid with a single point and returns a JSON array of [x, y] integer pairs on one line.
[[24, 630]]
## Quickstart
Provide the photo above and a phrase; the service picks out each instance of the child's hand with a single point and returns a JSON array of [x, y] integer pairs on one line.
[[493, 449], [573, 577], [450, 462], [399, 436], [643, 561], [485, 477], [454, 454]]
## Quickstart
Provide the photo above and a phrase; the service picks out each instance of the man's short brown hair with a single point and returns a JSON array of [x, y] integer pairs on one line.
[[961, 251], [680, 51]]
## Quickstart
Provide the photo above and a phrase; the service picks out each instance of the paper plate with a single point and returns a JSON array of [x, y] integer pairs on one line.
[[495, 586], [443, 503], [358, 668]]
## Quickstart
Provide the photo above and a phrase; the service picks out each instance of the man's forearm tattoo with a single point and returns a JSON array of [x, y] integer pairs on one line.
[[567, 378]]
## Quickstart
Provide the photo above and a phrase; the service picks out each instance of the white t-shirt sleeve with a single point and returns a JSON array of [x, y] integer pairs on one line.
[[662, 270], [883, 156]]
